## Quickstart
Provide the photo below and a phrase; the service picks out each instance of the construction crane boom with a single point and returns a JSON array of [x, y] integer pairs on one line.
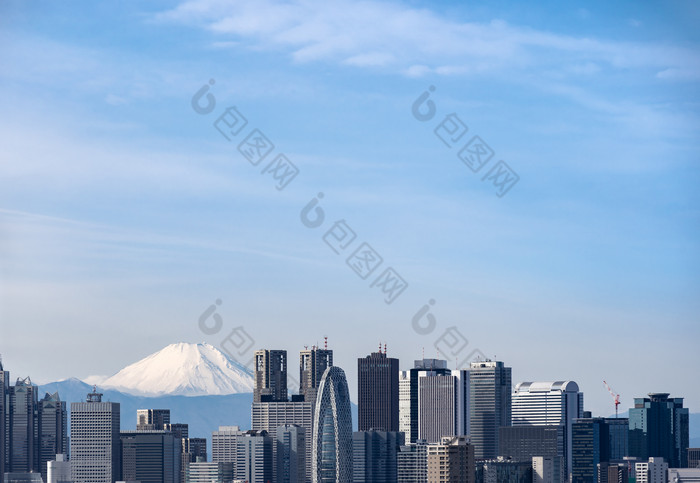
[[616, 397]]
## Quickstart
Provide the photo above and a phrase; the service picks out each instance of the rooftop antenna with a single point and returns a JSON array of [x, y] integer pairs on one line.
[[385, 348], [423, 352], [325, 342], [380, 346]]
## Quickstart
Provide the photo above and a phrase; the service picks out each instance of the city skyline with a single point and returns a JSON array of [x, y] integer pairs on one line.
[[133, 208]]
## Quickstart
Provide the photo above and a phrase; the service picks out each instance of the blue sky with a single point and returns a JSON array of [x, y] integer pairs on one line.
[[124, 214]]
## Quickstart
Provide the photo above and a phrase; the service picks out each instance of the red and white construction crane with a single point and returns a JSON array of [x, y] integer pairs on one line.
[[616, 397]]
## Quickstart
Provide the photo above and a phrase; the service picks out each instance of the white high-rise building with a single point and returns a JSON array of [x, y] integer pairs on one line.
[[405, 403], [549, 404], [653, 471], [94, 440]]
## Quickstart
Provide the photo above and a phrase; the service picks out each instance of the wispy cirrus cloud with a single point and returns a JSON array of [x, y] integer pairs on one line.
[[419, 41]]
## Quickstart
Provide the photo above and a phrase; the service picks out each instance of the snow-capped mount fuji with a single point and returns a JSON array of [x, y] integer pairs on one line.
[[183, 369]]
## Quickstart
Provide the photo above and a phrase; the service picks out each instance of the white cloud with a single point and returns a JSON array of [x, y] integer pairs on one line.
[[371, 33]]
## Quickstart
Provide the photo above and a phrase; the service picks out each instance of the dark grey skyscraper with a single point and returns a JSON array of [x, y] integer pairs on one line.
[[312, 364], [290, 442], [150, 456], [490, 405], [332, 430], [659, 426], [590, 441], [22, 431], [270, 375], [4, 403], [378, 392], [375, 456], [53, 427]]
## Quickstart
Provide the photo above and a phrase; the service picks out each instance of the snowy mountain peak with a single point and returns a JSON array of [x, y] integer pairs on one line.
[[183, 369]]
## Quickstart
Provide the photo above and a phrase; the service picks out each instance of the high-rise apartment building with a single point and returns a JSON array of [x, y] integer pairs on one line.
[[152, 419], [332, 430], [412, 463], [489, 405], [53, 430], [452, 460], [548, 404], [312, 364], [442, 404], [150, 456], [290, 454], [94, 440], [375, 456], [408, 394], [270, 375], [659, 427], [378, 392]]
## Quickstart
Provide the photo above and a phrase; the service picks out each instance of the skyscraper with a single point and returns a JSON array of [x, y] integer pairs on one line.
[[150, 456], [53, 427], [452, 460], [442, 404], [270, 375], [375, 456], [254, 457], [659, 427], [4, 406], [412, 463], [489, 405], [332, 430], [94, 440], [268, 416], [152, 419], [408, 394], [193, 450], [378, 392], [590, 440], [22, 432], [312, 364], [224, 444], [290, 452], [546, 404]]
